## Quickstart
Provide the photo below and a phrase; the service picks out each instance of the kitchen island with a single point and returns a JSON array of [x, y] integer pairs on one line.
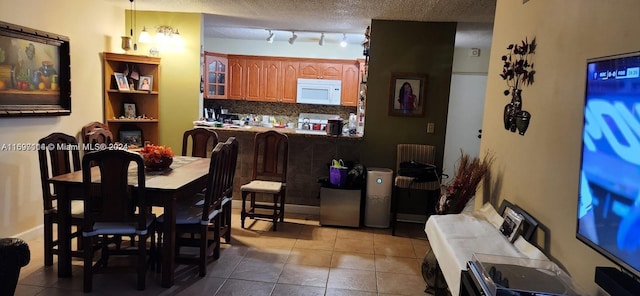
[[310, 154]]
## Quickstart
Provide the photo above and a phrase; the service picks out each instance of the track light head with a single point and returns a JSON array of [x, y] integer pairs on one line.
[[293, 38], [321, 42], [270, 37], [343, 43]]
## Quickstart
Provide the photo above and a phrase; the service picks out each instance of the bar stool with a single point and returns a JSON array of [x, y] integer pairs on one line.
[[270, 158]]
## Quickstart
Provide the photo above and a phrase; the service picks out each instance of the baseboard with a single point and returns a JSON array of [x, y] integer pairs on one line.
[[31, 234], [411, 218], [288, 208]]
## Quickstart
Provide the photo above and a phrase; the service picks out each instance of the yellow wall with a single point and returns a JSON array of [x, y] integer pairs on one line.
[[179, 90], [539, 171], [90, 33]]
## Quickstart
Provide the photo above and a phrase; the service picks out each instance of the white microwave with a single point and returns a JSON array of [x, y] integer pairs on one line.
[[319, 91]]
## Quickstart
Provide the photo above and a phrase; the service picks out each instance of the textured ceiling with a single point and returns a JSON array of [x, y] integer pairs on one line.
[[249, 19]]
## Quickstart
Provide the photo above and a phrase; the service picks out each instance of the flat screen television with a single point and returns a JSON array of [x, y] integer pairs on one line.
[[609, 195]]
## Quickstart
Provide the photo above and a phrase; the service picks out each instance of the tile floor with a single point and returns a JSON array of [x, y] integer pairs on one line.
[[301, 258]]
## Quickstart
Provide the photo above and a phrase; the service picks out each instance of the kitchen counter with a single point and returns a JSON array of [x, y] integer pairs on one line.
[[288, 131], [309, 158]]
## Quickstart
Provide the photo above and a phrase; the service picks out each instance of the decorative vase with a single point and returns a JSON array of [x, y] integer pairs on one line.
[[508, 116], [158, 165], [522, 121]]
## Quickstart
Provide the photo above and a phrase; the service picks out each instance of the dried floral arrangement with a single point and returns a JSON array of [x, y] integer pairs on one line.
[[469, 172]]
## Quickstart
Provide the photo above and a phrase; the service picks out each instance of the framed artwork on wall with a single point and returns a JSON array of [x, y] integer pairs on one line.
[[407, 94]]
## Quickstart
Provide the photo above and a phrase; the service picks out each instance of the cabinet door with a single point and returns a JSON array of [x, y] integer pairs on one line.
[[237, 67], [254, 80], [289, 81], [215, 73], [272, 85], [331, 71], [350, 85], [310, 70]]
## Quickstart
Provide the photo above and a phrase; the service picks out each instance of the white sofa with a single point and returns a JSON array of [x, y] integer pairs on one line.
[[454, 238]]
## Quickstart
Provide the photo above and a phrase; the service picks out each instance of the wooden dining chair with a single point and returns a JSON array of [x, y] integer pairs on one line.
[[57, 160], [199, 226], [229, 174], [200, 139], [99, 136], [270, 158], [113, 207], [91, 127]]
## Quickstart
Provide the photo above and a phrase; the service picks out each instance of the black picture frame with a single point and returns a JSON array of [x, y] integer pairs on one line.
[[417, 82], [132, 138], [35, 72]]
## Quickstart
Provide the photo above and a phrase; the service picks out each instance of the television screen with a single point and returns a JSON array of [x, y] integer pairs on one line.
[[609, 195]]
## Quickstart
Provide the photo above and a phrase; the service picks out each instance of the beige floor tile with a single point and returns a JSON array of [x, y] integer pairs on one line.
[[359, 234], [395, 250], [265, 255], [257, 271], [318, 233], [320, 258], [304, 275], [289, 290], [344, 292], [245, 288], [314, 244], [27, 290], [398, 265], [352, 279], [208, 286], [353, 261], [400, 284], [354, 246]]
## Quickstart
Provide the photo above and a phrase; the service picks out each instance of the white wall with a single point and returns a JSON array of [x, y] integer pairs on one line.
[[283, 49], [90, 33], [539, 171]]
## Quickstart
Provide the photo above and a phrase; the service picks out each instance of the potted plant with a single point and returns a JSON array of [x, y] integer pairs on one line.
[[517, 71]]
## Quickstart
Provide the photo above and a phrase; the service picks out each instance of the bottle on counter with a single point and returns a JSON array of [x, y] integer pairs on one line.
[[353, 123]]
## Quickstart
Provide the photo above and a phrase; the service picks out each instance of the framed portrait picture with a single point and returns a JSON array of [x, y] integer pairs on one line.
[[510, 227], [407, 94], [145, 83], [121, 81], [129, 110], [132, 138]]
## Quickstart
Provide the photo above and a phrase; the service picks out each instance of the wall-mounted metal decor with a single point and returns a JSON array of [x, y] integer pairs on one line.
[[517, 71], [35, 73]]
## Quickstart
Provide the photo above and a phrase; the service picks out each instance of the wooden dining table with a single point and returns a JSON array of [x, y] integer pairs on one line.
[[186, 177]]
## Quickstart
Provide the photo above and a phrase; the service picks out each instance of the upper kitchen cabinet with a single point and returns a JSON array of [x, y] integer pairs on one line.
[[255, 80], [237, 68], [320, 70], [215, 73], [272, 82], [350, 85], [141, 114], [290, 81]]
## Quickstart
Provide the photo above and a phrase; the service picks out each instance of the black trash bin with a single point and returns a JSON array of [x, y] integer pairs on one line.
[[14, 254]]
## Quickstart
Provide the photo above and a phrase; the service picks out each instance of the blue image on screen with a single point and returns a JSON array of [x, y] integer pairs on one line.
[[609, 203]]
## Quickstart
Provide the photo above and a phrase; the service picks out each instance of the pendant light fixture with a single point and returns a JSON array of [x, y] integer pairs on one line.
[[132, 19], [343, 43]]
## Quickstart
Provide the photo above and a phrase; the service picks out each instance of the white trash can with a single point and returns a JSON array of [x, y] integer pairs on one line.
[[378, 202]]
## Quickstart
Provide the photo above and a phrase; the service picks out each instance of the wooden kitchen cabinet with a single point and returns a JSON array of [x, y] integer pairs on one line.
[[290, 81], [215, 75], [146, 101], [272, 82], [236, 85], [350, 85], [255, 85], [320, 70]]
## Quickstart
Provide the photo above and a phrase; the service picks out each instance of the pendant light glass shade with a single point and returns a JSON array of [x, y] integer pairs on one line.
[[144, 37]]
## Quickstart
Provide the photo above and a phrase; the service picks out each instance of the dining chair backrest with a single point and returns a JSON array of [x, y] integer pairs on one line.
[[113, 198], [63, 157], [230, 167], [200, 139], [90, 127], [99, 136], [215, 180], [271, 154]]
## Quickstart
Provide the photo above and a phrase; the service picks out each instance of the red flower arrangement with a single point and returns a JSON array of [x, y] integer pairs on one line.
[[157, 157]]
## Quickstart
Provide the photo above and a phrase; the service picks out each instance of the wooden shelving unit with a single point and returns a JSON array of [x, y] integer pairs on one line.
[[146, 102]]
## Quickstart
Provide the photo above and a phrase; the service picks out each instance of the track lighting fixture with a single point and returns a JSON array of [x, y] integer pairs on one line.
[[270, 37], [321, 42], [343, 43], [293, 38]]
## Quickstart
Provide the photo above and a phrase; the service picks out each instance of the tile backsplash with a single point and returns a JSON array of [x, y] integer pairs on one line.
[[282, 112]]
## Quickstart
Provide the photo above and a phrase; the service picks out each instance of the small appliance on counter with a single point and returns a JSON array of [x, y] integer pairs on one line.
[[314, 122]]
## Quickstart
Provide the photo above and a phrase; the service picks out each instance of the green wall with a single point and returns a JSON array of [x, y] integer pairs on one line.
[[414, 47]]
